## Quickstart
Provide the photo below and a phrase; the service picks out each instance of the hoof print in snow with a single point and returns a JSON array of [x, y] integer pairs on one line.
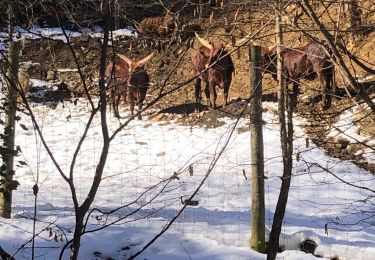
[[125, 248]]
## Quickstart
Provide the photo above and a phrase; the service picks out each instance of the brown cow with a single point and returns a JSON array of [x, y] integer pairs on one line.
[[307, 62], [129, 79], [214, 66], [161, 25]]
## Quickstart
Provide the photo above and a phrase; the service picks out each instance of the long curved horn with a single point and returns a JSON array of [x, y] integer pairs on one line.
[[272, 47], [124, 58], [241, 41], [247, 39], [204, 42], [143, 61]]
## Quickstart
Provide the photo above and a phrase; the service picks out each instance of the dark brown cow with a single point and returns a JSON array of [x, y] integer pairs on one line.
[[307, 62], [129, 79], [215, 67]]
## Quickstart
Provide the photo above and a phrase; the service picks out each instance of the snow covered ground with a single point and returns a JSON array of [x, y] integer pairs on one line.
[[146, 153]]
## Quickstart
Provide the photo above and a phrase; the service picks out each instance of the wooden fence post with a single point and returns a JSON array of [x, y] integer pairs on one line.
[[10, 105], [257, 240]]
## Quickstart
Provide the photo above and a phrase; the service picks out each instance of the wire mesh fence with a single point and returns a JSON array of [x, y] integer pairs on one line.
[[154, 166]]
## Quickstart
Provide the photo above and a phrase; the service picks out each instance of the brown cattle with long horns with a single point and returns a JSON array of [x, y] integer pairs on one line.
[[307, 62], [129, 79], [212, 64]]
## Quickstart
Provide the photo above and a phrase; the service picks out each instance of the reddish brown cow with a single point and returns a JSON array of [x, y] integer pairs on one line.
[[129, 79], [307, 62], [214, 66]]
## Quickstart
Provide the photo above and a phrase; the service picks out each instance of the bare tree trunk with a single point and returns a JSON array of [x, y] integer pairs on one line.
[[200, 9], [353, 12], [81, 211], [77, 234], [257, 240], [116, 15], [337, 29], [10, 106], [286, 136]]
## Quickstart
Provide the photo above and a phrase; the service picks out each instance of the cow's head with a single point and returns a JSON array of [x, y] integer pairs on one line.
[[210, 50], [134, 65], [269, 59]]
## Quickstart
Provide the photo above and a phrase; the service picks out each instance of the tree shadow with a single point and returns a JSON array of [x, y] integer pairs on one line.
[[184, 109]]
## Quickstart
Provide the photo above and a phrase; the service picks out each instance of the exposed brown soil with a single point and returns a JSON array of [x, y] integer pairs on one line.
[[54, 55]]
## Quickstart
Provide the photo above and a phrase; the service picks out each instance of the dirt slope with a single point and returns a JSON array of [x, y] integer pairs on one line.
[[172, 60]]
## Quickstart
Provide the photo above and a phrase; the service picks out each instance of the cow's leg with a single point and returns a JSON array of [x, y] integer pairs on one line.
[[295, 92], [331, 90], [328, 87], [326, 91], [207, 93], [198, 91], [322, 87], [141, 97], [325, 85], [296, 87], [112, 99], [226, 91], [213, 95], [115, 103], [130, 99], [140, 104], [332, 81]]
